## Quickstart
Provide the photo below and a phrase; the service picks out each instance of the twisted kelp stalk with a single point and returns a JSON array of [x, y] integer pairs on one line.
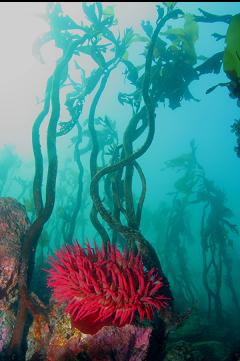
[[78, 203], [133, 234], [215, 229], [94, 153], [108, 68], [177, 226], [90, 84], [43, 213]]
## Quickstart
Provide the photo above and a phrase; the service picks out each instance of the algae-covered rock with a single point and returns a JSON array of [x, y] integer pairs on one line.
[[182, 351], [212, 350], [197, 328], [193, 329], [13, 224], [56, 339]]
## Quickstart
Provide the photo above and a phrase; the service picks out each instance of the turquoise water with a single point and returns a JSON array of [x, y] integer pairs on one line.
[[125, 156]]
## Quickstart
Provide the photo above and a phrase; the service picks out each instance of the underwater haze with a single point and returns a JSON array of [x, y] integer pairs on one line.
[[119, 181]]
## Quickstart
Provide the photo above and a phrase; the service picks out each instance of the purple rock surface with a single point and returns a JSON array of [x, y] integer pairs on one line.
[[13, 224]]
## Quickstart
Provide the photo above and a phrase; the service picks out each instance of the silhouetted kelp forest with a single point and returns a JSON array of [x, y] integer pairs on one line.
[[184, 253]]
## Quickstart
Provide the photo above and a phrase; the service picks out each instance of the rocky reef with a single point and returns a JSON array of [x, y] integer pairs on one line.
[[13, 224], [58, 340]]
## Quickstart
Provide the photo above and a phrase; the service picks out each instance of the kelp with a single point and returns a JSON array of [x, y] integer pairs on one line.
[[231, 57], [63, 30], [166, 74], [211, 65], [173, 70], [191, 169], [236, 130], [207, 17], [193, 188], [185, 38], [170, 4]]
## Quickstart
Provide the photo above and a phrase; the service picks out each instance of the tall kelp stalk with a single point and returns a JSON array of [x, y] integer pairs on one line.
[[71, 44], [95, 149], [43, 211], [215, 238], [166, 75], [143, 119], [78, 201], [178, 234], [216, 230]]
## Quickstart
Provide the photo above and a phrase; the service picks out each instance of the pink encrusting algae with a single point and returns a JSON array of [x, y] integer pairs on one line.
[[102, 288]]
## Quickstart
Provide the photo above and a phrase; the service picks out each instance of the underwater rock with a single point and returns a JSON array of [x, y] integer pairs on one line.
[[48, 339], [58, 340], [193, 329], [7, 320], [212, 350], [126, 343], [198, 328], [182, 351], [206, 341], [38, 339], [13, 224]]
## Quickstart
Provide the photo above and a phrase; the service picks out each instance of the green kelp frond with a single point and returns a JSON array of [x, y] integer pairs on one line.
[[231, 58], [185, 38], [170, 4]]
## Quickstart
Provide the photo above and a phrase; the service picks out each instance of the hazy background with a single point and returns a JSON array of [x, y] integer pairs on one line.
[[208, 122]]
